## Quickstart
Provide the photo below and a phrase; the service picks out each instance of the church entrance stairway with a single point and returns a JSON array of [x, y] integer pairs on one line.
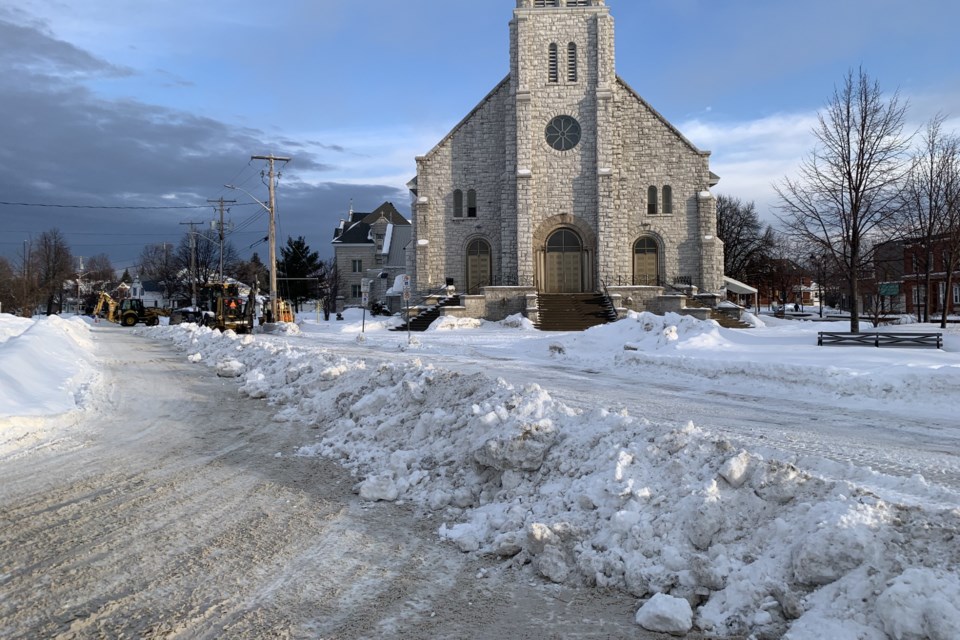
[[426, 316], [573, 311]]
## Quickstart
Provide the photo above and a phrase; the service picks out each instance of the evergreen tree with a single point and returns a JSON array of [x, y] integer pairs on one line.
[[297, 261]]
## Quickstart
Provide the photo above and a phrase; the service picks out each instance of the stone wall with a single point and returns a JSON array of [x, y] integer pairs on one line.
[[345, 255]]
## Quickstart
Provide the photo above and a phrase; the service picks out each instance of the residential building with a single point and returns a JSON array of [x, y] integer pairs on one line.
[[370, 247]]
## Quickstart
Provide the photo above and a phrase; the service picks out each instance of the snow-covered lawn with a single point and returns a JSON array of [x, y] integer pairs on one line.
[[703, 530]]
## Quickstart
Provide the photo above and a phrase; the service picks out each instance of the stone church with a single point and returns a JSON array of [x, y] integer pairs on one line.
[[563, 180]]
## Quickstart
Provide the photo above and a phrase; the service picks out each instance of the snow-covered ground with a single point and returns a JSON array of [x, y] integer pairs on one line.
[[614, 457]]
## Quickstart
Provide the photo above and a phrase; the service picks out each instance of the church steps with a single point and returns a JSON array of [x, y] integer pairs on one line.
[[573, 312]]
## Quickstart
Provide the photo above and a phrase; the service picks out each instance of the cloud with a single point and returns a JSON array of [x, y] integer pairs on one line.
[[65, 144], [751, 156]]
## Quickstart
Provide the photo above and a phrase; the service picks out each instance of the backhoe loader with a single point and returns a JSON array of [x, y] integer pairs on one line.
[[128, 312]]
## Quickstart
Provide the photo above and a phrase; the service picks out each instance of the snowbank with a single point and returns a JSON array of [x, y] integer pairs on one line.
[[753, 545], [46, 365], [47, 370]]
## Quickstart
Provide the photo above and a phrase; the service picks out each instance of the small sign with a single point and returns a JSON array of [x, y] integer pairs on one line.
[[406, 294], [365, 285], [365, 299], [406, 281]]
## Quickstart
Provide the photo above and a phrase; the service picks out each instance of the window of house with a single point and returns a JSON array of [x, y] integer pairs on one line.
[[956, 294], [652, 201], [667, 199], [356, 266], [458, 204], [553, 72], [355, 291], [572, 62], [471, 203]]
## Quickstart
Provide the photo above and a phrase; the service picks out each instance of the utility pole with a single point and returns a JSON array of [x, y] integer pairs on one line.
[[272, 236], [221, 202], [79, 278], [193, 261]]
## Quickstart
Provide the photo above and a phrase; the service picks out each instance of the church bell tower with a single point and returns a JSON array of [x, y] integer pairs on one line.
[[563, 79]]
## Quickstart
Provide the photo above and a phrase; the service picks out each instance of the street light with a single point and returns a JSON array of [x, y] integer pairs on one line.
[[274, 311]]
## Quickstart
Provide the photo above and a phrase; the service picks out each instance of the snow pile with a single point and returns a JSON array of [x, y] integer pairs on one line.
[[451, 323], [47, 370], [752, 545], [46, 365]]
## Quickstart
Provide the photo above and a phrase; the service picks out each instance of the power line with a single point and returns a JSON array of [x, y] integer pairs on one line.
[[90, 206]]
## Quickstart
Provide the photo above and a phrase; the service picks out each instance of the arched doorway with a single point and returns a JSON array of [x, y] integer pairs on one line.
[[479, 266], [564, 262], [646, 262]]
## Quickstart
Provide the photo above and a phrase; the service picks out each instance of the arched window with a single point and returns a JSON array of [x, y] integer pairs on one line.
[[553, 72], [478, 265], [646, 262], [667, 199], [471, 203], [572, 62], [652, 201], [458, 203]]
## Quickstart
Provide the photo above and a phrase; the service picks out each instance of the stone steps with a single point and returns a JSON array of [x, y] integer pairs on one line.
[[573, 312]]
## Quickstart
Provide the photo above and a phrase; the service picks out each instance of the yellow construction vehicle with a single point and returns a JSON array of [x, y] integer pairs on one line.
[[227, 309], [128, 312]]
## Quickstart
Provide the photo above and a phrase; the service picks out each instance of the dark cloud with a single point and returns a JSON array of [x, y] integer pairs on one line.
[[62, 144]]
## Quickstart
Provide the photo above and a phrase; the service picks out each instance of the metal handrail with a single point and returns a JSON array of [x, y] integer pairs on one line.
[[608, 298]]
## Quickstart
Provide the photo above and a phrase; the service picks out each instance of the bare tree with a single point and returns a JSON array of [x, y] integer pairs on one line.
[[99, 269], [745, 241], [951, 238], [925, 199], [330, 283], [53, 265], [846, 198], [158, 262], [8, 285]]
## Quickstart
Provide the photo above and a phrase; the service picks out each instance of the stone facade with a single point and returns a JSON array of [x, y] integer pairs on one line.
[[528, 187]]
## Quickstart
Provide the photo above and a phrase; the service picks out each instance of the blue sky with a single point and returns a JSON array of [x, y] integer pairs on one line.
[[112, 102]]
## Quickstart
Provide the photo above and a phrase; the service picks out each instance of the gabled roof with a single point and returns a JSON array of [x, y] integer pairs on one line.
[[399, 239], [666, 122], [357, 229], [503, 83]]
